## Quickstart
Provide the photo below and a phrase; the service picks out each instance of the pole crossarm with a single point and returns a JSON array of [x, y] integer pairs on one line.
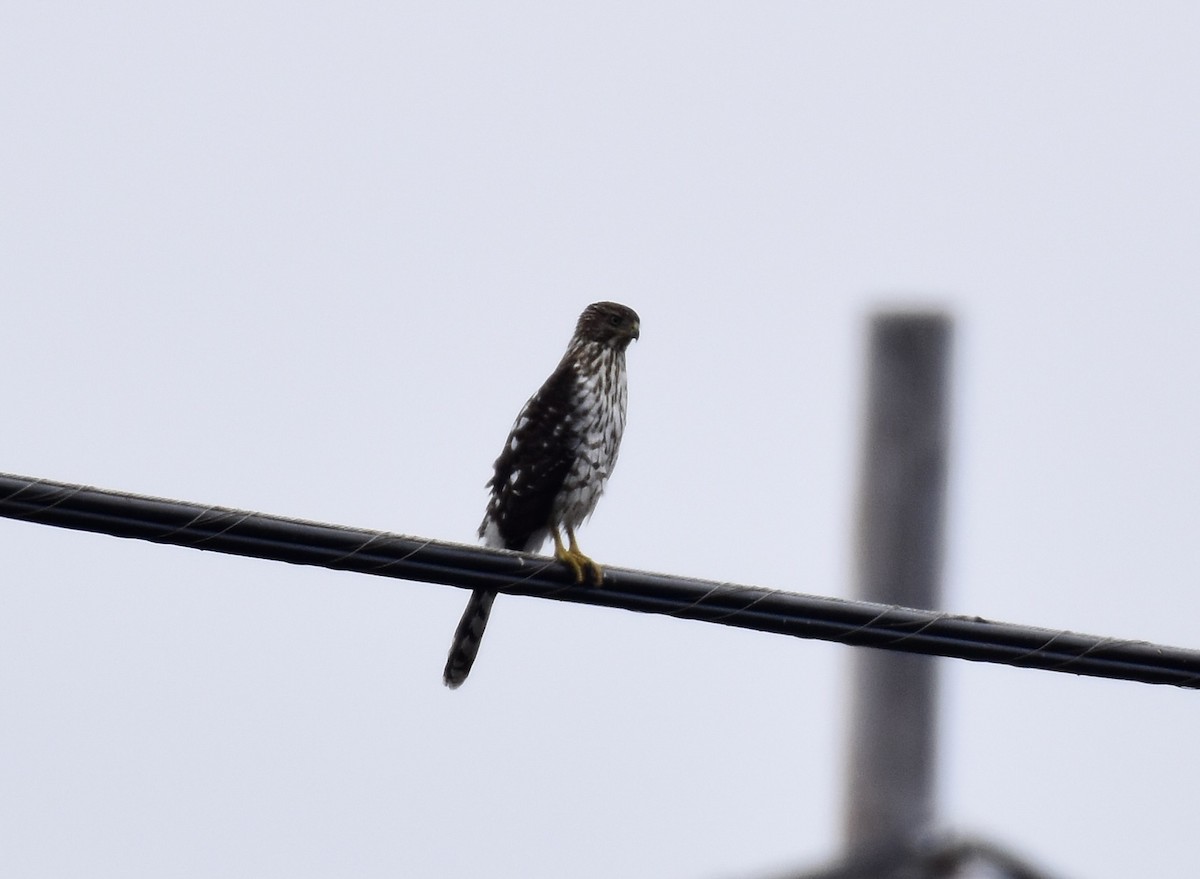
[[383, 554]]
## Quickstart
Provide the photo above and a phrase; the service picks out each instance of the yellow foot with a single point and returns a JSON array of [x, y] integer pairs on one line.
[[574, 559]]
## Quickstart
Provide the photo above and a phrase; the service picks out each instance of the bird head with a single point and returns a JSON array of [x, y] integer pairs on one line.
[[608, 323]]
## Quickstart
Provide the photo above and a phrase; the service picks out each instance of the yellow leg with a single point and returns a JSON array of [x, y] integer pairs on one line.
[[572, 556], [565, 557], [584, 561]]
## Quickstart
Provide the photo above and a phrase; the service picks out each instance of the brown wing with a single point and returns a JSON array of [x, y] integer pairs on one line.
[[535, 462]]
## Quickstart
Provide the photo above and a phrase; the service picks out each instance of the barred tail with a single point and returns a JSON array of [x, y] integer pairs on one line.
[[467, 637]]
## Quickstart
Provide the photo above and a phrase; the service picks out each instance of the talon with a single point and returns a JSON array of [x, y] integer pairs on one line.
[[566, 556], [572, 556], [597, 572]]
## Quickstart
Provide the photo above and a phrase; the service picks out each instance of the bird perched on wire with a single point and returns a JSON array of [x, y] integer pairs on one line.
[[559, 455]]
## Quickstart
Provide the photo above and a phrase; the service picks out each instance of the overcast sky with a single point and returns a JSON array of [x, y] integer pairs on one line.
[[311, 259]]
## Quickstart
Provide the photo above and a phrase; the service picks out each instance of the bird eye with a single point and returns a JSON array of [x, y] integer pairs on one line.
[[615, 320]]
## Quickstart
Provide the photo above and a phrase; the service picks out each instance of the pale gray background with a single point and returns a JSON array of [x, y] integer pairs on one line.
[[311, 259]]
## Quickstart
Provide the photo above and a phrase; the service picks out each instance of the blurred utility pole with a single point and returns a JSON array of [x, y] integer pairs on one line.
[[893, 715]]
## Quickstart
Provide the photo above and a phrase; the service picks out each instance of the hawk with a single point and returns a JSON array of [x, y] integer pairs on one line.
[[559, 455]]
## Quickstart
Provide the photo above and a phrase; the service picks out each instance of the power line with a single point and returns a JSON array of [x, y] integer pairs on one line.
[[858, 623]]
